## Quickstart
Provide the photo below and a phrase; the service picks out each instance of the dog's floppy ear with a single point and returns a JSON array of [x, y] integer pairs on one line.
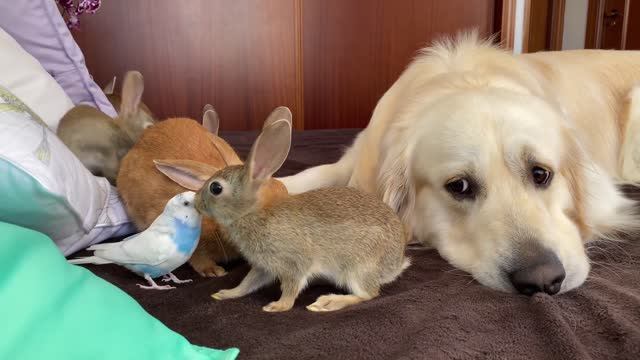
[[394, 183], [574, 173], [600, 209]]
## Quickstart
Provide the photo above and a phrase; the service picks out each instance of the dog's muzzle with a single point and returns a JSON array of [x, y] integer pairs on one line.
[[539, 271]]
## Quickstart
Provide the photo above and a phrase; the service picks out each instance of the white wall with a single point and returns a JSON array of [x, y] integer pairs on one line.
[[575, 24], [518, 30]]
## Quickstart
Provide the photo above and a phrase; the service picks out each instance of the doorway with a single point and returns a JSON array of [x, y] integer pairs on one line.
[[613, 24], [543, 25]]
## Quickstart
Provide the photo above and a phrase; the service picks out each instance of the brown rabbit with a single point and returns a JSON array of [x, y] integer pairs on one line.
[[339, 233], [174, 155], [99, 141]]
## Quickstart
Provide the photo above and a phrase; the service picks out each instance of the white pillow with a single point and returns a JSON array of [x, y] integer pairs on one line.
[[46, 188], [23, 75]]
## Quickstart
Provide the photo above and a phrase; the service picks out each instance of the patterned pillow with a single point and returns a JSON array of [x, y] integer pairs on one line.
[[46, 188], [24, 76]]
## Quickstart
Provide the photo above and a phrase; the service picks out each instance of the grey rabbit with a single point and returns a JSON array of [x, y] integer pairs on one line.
[[341, 234], [135, 115], [101, 142]]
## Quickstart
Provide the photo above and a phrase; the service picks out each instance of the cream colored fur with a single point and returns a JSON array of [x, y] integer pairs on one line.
[[465, 107]]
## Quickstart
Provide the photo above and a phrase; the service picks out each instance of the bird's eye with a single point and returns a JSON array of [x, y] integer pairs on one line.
[[541, 177], [215, 188], [460, 188], [186, 203]]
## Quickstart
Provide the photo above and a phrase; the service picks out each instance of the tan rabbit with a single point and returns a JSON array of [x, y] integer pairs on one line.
[[174, 155], [339, 233], [99, 141]]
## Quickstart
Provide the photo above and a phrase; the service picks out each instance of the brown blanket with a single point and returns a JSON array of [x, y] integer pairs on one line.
[[431, 312]]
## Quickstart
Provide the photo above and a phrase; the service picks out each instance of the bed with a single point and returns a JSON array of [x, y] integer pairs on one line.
[[432, 311]]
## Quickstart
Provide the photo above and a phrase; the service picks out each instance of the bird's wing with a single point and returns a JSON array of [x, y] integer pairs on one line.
[[150, 247], [110, 244]]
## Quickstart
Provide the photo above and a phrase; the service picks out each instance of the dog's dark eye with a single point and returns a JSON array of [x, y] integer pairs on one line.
[[541, 176], [186, 203], [215, 188], [460, 188]]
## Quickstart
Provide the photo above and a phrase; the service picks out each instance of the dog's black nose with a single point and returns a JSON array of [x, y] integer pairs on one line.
[[545, 274]]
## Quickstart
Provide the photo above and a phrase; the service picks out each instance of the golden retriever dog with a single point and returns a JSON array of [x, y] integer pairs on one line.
[[507, 164]]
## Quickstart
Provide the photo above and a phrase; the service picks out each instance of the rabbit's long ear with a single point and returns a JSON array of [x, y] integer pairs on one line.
[[210, 119], [269, 151], [227, 154], [280, 113], [187, 173], [132, 88], [110, 87]]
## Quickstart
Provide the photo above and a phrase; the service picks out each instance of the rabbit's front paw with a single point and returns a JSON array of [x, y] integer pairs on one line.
[[278, 306], [333, 302], [208, 268], [225, 294]]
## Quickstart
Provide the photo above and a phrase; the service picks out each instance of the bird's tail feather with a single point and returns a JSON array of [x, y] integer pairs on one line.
[[89, 260]]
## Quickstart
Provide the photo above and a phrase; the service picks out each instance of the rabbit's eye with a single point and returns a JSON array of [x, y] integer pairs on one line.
[[215, 188]]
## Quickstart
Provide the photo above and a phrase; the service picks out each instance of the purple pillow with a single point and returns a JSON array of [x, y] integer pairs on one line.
[[39, 28]]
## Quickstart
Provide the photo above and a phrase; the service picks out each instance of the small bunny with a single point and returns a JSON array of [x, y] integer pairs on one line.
[[339, 233], [177, 155], [101, 142]]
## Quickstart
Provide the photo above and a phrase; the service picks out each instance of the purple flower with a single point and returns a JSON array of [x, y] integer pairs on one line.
[[72, 11]]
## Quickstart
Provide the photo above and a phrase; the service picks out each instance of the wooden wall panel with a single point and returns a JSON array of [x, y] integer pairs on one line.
[[497, 18], [328, 60], [355, 49], [238, 55]]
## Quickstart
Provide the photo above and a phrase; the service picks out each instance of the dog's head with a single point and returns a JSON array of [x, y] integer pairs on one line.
[[493, 177]]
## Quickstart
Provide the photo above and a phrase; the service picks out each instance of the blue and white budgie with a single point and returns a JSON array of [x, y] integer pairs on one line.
[[167, 244]]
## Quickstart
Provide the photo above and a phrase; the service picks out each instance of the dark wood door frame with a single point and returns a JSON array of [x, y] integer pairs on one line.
[[507, 29], [595, 13], [557, 24], [555, 31]]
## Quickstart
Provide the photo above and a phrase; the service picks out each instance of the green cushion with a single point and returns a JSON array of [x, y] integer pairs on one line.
[[53, 310]]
